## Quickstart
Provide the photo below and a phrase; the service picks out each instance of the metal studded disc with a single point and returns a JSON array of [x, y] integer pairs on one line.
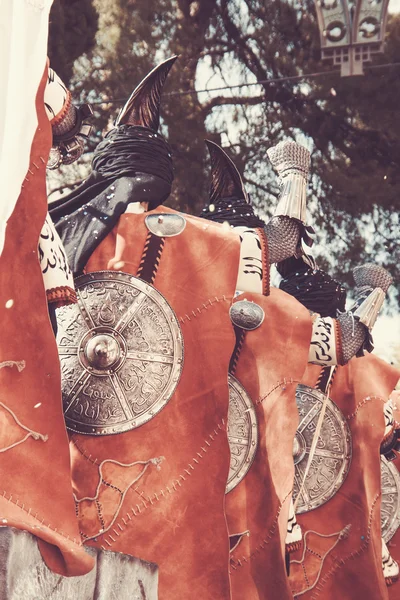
[[332, 458], [165, 224], [121, 352], [242, 432], [246, 315], [390, 501]]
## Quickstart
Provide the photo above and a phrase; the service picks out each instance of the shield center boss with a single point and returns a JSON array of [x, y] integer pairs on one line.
[[121, 353], [242, 432], [332, 457]]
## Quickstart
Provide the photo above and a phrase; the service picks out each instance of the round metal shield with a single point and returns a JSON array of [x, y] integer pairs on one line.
[[121, 353], [390, 501], [332, 457], [242, 432]]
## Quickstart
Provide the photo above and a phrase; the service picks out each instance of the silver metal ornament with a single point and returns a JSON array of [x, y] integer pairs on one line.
[[332, 457], [121, 353], [242, 432], [165, 225], [390, 499], [246, 315]]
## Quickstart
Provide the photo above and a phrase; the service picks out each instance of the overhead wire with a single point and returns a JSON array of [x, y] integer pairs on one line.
[[250, 84]]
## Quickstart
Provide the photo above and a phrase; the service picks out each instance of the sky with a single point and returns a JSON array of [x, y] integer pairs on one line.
[[386, 332], [394, 6], [387, 329]]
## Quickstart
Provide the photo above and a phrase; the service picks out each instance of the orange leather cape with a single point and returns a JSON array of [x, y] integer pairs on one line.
[[36, 492], [271, 363], [394, 543], [174, 515], [353, 565]]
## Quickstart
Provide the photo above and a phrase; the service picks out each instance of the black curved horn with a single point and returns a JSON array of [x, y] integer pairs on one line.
[[143, 106], [226, 181]]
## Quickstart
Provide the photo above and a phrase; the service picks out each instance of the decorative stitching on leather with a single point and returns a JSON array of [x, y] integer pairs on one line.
[[4, 521], [151, 256], [20, 364], [61, 295], [206, 305], [265, 261], [32, 172], [324, 381], [305, 574], [56, 120], [339, 345], [30, 433], [144, 254], [169, 489], [281, 384], [343, 534], [240, 536], [265, 541], [95, 498], [240, 335], [361, 404], [350, 556], [83, 452]]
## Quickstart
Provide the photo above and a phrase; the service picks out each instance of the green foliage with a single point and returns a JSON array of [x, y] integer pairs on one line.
[[351, 125]]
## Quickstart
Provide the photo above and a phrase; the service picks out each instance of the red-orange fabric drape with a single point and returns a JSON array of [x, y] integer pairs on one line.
[[174, 515], [36, 492], [271, 364], [353, 565], [394, 543]]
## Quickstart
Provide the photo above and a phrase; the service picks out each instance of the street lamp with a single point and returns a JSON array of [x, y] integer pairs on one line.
[[351, 32]]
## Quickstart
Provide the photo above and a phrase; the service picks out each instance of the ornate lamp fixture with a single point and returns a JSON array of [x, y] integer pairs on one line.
[[351, 31]]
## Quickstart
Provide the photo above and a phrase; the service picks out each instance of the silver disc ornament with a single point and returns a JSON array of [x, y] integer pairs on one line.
[[121, 353], [242, 432], [246, 315], [390, 499], [332, 458]]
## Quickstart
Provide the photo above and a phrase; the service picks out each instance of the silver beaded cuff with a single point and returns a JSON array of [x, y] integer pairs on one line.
[[367, 312], [292, 163]]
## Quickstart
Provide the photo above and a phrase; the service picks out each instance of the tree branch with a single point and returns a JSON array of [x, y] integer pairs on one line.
[[235, 100]]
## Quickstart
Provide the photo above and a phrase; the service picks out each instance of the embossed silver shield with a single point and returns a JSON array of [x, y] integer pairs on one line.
[[390, 500], [121, 353], [242, 432], [332, 458]]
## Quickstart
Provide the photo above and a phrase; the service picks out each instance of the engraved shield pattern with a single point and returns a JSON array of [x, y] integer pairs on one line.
[[390, 500], [121, 353], [242, 432], [332, 458]]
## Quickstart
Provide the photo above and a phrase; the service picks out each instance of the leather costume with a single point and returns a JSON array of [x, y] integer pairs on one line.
[[259, 504], [394, 544], [34, 497], [257, 507], [171, 516], [349, 562]]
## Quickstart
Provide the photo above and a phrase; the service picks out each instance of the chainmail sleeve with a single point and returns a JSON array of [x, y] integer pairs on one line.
[[283, 236], [372, 283], [354, 336], [287, 228]]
